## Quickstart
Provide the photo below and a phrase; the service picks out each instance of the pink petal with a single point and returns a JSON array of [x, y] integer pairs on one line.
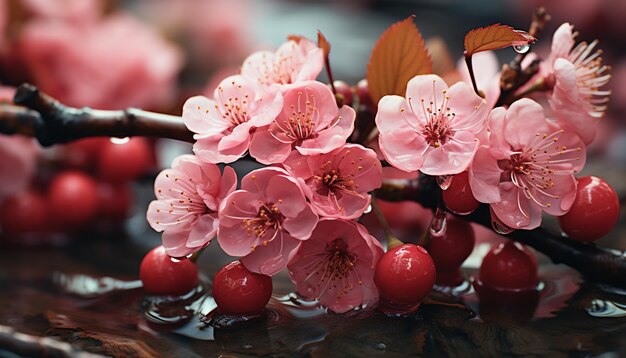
[[200, 116], [404, 151], [515, 210], [562, 41], [426, 87], [453, 157], [266, 149], [524, 119], [331, 138], [203, 231], [484, 177], [301, 226], [470, 111], [174, 242], [270, 259]]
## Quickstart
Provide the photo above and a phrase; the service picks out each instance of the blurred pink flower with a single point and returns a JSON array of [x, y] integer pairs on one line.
[[310, 122], [78, 12], [487, 74], [435, 129], [114, 63], [18, 163], [577, 76], [337, 183], [224, 126], [336, 265], [527, 167], [188, 198], [293, 62], [266, 220]]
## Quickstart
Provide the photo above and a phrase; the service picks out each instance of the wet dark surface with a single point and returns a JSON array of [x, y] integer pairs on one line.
[[87, 295]]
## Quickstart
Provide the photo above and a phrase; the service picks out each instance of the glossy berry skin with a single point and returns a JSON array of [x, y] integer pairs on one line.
[[458, 197], [450, 250], [238, 291], [594, 213], [509, 266], [24, 212], [363, 92], [122, 162], [161, 275], [404, 275], [115, 200], [72, 199]]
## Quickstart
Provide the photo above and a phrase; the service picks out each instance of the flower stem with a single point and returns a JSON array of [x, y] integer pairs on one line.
[[468, 62], [392, 241]]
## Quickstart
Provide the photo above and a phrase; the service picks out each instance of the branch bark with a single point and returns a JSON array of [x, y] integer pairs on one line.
[[51, 122]]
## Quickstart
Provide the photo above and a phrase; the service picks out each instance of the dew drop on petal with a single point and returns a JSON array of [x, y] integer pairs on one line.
[[444, 181], [498, 226], [439, 223], [521, 48]]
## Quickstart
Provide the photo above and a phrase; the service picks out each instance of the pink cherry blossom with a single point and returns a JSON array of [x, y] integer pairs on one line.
[[336, 265], [527, 167], [487, 74], [337, 183], [113, 63], [434, 129], [577, 76], [188, 198], [293, 62], [310, 122], [224, 125], [266, 220], [77, 12]]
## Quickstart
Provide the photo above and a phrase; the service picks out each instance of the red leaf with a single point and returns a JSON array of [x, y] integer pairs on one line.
[[295, 38], [323, 43], [398, 56], [495, 37]]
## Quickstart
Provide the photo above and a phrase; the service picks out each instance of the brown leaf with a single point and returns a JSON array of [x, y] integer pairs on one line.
[[323, 43], [495, 37], [398, 56], [295, 38]]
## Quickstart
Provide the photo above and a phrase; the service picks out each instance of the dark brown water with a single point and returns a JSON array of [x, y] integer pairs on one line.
[[87, 295]]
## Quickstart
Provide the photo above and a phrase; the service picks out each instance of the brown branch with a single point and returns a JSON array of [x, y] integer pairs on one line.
[[601, 265], [513, 77], [52, 122]]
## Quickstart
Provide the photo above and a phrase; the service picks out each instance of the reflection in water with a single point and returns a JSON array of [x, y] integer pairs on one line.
[[602, 308]]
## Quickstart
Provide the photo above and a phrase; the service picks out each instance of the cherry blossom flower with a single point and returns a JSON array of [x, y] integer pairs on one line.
[[486, 72], [336, 265], [266, 220], [293, 62], [310, 122], [77, 12], [224, 125], [527, 167], [101, 65], [576, 76], [434, 129], [337, 183], [188, 198]]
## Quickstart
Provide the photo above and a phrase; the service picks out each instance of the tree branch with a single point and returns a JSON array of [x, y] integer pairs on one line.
[[52, 122], [598, 264]]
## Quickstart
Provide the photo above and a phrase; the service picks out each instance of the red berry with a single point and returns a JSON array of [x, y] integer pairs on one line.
[[594, 213], [404, 275], [73, 199], [83, 153], [449, 251], [115, 200], [162, 275], [24, 212], [458, 197], [237, 291], [125, 161], [509, 266], [344, 89], [363, 92]]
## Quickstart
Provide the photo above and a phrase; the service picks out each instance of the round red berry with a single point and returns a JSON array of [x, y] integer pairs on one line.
[[238, 291], [509, 266], [404, 275], [594, 213], [449, 251], [24, 212], [344, 89], [83, 153], [162, 275], [363, 92], [72, 199], [458, 197], [122, 161], [115, 200]]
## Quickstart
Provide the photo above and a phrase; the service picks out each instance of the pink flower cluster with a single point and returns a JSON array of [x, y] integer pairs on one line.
[[298, 212]]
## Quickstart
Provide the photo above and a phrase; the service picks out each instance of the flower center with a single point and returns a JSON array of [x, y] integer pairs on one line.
[[300, 125], [234, 108], [334, 269], [591, 74], [436, 131], [268, 218]]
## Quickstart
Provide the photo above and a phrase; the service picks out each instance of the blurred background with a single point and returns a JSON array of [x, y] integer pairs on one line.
[[154, 54]]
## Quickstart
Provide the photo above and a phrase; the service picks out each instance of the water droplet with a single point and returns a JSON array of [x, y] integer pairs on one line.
[[439, 223], [521, 48], [602, 308], [498, 226], [247, 346], [117, 140], [380, 346], [368, 209], [444, 181]]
